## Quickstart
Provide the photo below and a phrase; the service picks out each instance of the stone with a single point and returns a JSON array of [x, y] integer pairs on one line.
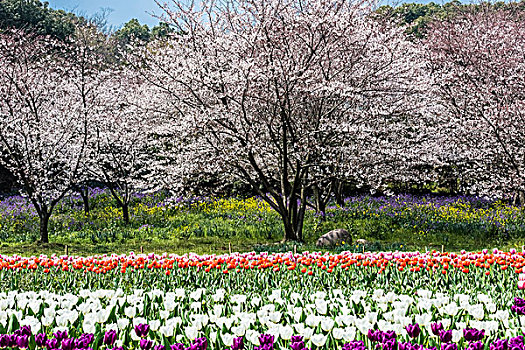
[[334, 237]]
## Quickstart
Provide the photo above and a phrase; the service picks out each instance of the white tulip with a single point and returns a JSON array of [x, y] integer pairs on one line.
[[299, 327], [88, 326], [111, 326], [318, 339], [457, 335], [196, 306], [239, 331], [274, 316], [312, 321], [122, 323], [219, 295], [371, 317], [327, 324], [451, 309], [180, 293], [213, 336], [154, 325], [286, 332], [321, 306], [274, 330], [349, 334], [197, 294], [307, 332], [276, 294], [297, 313], [227, 339], [423, 319], [139, 320], [253, 337], [424, 293], [338, 333], [130, 311], [166, 331], [191, 332]]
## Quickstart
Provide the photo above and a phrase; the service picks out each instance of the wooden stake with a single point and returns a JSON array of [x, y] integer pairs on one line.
[[67, 250], [230, 247], [141, 249], [442, 249], [523, 248], [294, 250]]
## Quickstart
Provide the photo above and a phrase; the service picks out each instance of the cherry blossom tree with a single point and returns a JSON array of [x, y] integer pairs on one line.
[[119, 152], [276, 92], [477, 58], [43, 126], [50, 92]]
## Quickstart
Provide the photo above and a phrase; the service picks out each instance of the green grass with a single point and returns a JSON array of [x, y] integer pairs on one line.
[[210, 226]]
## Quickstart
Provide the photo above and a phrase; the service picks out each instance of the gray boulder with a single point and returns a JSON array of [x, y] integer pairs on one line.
[[334, 237]]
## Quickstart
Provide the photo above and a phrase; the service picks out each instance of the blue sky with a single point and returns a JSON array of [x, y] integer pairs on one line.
[[123, 10]]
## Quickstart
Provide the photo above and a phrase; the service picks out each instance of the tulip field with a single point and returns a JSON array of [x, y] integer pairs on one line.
[[313, 300], [349, 297]]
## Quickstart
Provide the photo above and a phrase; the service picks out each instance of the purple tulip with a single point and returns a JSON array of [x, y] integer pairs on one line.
[[413, 330], [238, 343], [24, 330], [145, 344], [118, 348], [202, 343], [516, 342], [445, 337], [60, 335], [159, 347], [520, 310], [177, 346], [375, 336], [12, 340], [478, 345], [40, 339], [110, 337], [22, 341], [52, 344], [404, 346], [499, 344], [84, 340], [266, 339], [390, 344], [296, 338], [354, 345], [264, 347], [68, 344], [519, 302], [142, 330], [473, 334], [298, 345], [4, 340], [389, 335], [449, 346], [436, 328]]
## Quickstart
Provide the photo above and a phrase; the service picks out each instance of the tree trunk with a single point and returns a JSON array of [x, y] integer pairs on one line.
[[85, 199], [338, 192], [519, 198], [320, 204], [44, 224], [125, 212]]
